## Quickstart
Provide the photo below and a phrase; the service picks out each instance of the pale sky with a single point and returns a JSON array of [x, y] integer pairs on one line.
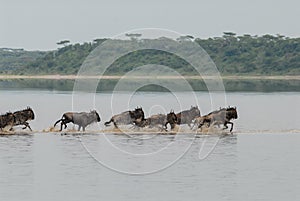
[[39, 24]]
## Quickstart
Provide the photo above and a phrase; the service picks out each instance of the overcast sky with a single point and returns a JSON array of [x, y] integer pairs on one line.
[[39, 24]]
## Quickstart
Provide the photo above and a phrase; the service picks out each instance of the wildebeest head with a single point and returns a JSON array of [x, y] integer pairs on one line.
[[29, 113], [138, 113], [96, 115], [231, 112], [194, 111], [171, 117]]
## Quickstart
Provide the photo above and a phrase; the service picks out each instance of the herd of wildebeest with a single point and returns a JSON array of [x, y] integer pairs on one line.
[[192, 117]]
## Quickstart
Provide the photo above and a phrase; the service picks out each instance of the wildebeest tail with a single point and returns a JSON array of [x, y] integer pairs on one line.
[[58, 121], [108, 122]]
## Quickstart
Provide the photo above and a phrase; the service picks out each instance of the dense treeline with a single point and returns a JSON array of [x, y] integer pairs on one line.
[[254, 55], [14, 60], [244, 55]]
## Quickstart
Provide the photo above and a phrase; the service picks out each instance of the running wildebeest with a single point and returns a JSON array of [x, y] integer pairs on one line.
[[187, 116], [21, 117], [159, 119], [7, 120], [171, 119], [82, 119], [126, 118], [222, 116]]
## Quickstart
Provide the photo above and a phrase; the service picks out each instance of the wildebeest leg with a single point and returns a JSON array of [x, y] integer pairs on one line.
[[163, 129], [61, 125], [225, 125], [83, 128], [231, 125], [193, 126], [26, 124], [160, 127], [165, 126], [115, 124], [196, 123], [135, 127], [214, 123], [173, 126], [208, 124], [200, 125], [79, 127], [63, 122]]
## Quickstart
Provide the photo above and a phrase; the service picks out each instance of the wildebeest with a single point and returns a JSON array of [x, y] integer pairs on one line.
[[21, 117], [126, 118], [7, 120], [159, 119], [222, 116], [187, 116], [82, 119], [171, 119]]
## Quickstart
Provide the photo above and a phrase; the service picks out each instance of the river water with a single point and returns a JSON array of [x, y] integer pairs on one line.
[[259, 161]]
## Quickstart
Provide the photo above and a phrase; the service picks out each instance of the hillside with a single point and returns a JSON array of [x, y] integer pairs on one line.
[[233, 55], [14, 60]]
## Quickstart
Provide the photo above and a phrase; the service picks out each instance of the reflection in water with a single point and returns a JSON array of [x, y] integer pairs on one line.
[[16, 166], [55, 167], [197, 85], [52, 167]]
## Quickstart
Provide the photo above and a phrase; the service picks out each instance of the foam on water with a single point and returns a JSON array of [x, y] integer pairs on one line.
[[143, 131]]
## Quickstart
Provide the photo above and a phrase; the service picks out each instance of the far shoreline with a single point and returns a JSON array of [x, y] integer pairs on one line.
[[116, 77]]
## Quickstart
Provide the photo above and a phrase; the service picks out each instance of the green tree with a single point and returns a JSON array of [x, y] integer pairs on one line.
[[63, 42]]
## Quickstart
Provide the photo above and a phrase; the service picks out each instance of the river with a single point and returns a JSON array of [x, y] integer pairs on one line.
[[259, 161]]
